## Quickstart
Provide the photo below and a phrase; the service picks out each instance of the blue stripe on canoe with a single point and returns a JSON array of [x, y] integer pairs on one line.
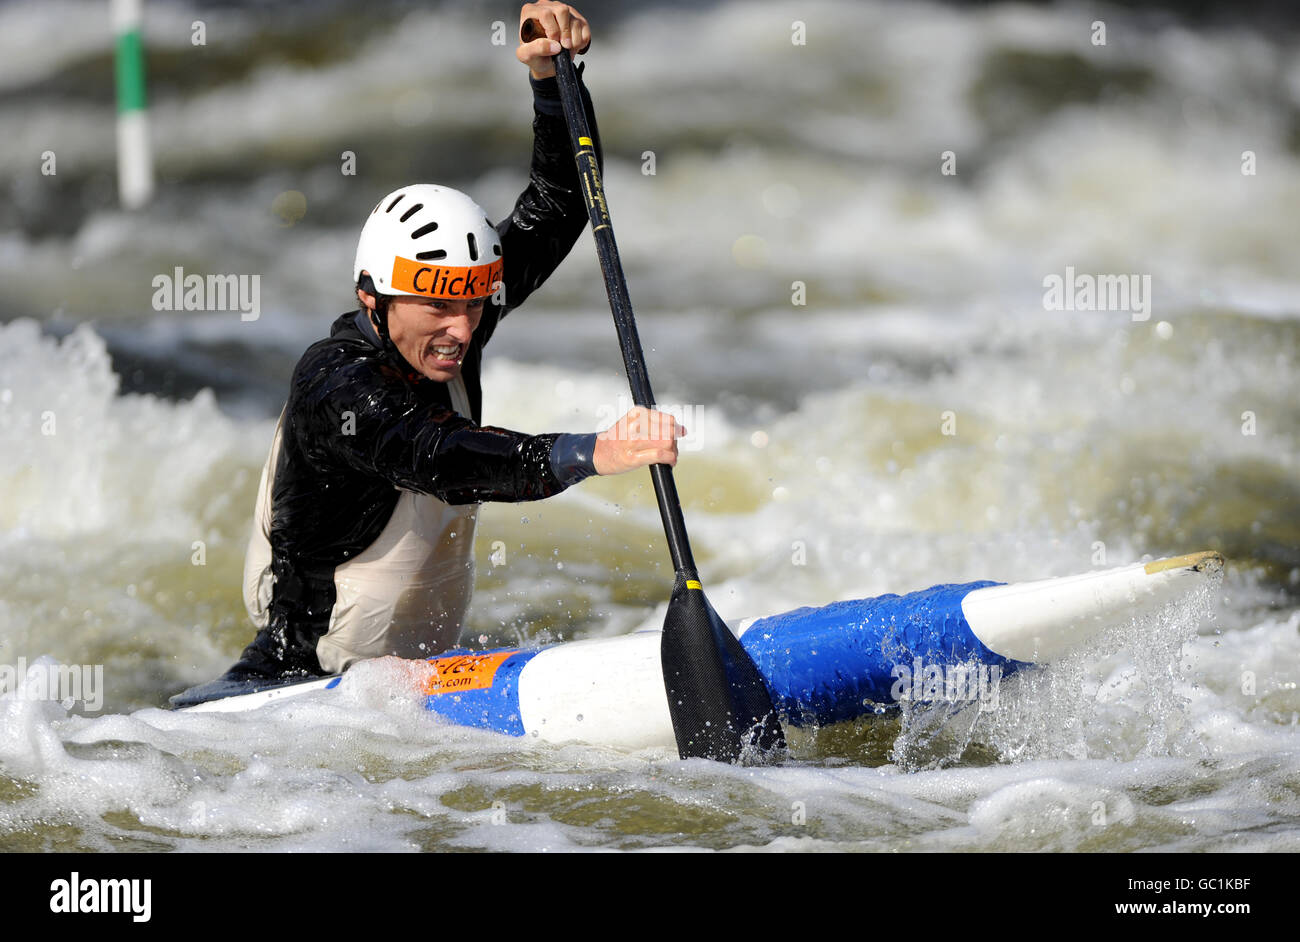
[[495, 707], [832, 663]]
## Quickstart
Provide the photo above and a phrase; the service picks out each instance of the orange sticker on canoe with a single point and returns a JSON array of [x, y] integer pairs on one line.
[[465, 671], [445, 281]]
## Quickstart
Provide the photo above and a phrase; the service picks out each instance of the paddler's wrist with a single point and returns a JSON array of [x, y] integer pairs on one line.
[[546, 95], [573, 458], [546, 92]]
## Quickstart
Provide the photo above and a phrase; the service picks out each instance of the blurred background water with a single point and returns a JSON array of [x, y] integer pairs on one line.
[[818, 468]]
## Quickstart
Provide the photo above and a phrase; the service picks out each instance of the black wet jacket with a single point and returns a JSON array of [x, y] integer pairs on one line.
[[361, 421]]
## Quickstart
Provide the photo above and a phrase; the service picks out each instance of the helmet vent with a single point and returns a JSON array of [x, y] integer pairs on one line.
[[425, 230], [412, 211], [496, 249], [431, 256], [393, 203], [473, 247]]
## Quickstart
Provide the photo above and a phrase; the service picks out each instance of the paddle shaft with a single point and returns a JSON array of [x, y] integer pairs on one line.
[[720, 706], [670, 508]]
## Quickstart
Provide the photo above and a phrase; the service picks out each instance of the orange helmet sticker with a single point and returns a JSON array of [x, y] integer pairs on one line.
[[444, 281]]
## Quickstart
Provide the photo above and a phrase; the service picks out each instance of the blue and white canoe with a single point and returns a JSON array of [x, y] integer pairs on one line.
[[821, 665]]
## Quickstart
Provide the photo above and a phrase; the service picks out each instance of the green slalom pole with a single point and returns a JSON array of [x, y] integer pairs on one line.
[[134, 157]]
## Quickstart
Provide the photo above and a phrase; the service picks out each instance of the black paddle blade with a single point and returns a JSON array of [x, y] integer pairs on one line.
[[720, 706]]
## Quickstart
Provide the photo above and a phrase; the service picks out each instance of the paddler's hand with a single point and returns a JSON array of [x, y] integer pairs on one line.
[[640, 438], [563, 26]]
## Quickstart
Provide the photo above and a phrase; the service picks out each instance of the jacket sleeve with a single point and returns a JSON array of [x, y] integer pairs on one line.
[[357, 417], [550, 214]]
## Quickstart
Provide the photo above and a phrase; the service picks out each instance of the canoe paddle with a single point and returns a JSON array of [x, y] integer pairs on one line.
[[720, 706]]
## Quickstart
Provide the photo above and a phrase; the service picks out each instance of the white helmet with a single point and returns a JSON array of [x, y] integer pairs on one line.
[[430, 241]]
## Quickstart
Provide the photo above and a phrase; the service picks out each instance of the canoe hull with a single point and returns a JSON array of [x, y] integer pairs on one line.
[[822, 665]]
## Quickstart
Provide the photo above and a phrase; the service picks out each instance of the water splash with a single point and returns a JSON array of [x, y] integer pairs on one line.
[[1123, 696]]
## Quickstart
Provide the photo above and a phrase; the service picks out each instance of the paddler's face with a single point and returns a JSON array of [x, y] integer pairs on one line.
[[433, 334]]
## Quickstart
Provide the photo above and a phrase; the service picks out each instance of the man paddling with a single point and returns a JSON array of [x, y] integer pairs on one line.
[[362, 543]]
